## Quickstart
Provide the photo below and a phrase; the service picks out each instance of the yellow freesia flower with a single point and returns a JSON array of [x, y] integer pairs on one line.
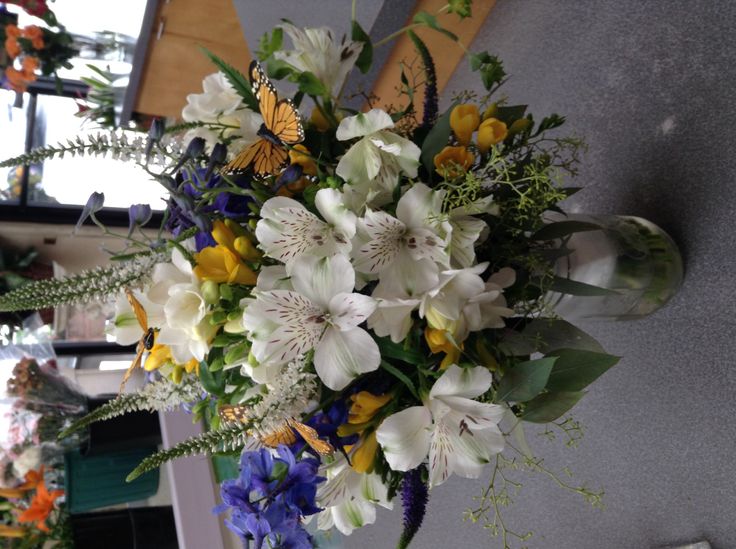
[[439, 343], [301, 155], [157, 357], [365, 405], [464, 120], [319, 120], [365, 454], [12, 531], [452, 162], [491, 132]]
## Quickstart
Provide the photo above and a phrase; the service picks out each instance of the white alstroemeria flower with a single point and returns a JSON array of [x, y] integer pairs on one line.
[[372, 165], [349, 498], [316, 51], [392, 317], [287, 230], [459, 434], [404, 251], [487, 309], [321, 313], [220, 103], [466, 230]]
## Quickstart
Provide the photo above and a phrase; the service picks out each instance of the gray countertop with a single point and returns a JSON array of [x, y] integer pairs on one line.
[[649, 84]]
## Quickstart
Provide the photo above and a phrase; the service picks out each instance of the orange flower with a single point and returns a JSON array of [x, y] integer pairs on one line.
[[35, 35], [30, 64], [16, 79], [491, 132], [464, 119], [41, 506], [12, 30], [12, 46], [33, 478], [452, 162]]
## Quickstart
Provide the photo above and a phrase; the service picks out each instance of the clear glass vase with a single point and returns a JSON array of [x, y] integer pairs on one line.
[[629, 255]]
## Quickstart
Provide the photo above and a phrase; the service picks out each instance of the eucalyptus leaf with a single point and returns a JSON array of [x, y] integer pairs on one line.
[[550, 406], [559, 229], [545, 335], [573, 287], [525, 380], [575, 369]]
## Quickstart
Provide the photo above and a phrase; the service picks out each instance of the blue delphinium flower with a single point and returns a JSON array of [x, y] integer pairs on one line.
[[270, 497]]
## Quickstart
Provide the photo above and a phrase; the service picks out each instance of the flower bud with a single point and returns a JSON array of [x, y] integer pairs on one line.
[[210, 292]]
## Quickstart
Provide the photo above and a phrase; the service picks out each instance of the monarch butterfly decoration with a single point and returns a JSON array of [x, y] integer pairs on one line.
[[147, 339], [285, 434], [282, 125]]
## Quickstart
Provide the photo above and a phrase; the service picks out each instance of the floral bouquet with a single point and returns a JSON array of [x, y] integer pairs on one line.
[[41, 385], [31, 514], [356, 301], [32, 48]]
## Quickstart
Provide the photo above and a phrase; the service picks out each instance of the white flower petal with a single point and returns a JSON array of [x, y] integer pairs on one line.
[[330, 204], [392, 318], [407, 277], [419, 205], [503, 278], [341, 356], [319, 279], [361, 163], [353, 514], [473, 414], [465, 233], [363, 124], [408, 155], [405, 437], [349, 310], [462, 382]]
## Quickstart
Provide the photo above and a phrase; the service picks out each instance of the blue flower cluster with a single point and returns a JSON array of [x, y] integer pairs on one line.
[[270, 497]]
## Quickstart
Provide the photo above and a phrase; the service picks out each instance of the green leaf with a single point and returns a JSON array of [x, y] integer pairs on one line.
[[490, 68], [270, 43], [213, 382], [547, 335], [573, 287], [463, 8], [236, 78], [564, 228], [550, 406], [401, 376], [525, 380], [424, 18], [365, 58], [397, 351], [278, 69], [311, 85], [436, 139], [511, 113], [576, 369]]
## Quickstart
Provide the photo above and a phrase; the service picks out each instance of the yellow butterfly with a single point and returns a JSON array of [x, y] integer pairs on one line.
[[282, 125], [147, 339], [285, 434]]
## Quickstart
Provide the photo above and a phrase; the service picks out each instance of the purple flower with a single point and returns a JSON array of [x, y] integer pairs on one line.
[[414, 496]]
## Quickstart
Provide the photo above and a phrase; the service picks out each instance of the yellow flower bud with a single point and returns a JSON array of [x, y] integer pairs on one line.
[[491, 132], [365, 455], [365, 405], [221, 264], [452, 162], [437, 340], [157, 357], [300, 155], [319, 120], [491, 111], [246, 249], [464, 120], [519, 126]]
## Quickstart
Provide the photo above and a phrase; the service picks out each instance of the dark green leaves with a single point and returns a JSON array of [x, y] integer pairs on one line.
[[575, 369], [311, 85], [549, 406], [563, 228], [401, 376], [213, 382], [396, 351], [366, 54], [436, 139], [270, 43], [525, 380], [490, 68], [573, 287], [547, 335], [462, 8], [236, 79], [429, 20]]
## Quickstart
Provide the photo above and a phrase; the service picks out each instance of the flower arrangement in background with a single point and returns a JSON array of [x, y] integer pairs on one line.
[[354, 301], [32, 48]]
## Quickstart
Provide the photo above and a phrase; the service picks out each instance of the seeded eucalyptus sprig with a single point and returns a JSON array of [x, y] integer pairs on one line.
[[160, 396], [228, 438], [88, 286]]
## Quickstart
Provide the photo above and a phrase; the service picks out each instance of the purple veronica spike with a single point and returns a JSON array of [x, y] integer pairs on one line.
[[414, 496]]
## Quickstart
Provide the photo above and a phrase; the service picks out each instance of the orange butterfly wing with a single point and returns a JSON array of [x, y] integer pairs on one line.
[[280, 117], [311, 436]]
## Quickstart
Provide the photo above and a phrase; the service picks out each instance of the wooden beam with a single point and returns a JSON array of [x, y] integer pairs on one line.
[[446, 53]]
